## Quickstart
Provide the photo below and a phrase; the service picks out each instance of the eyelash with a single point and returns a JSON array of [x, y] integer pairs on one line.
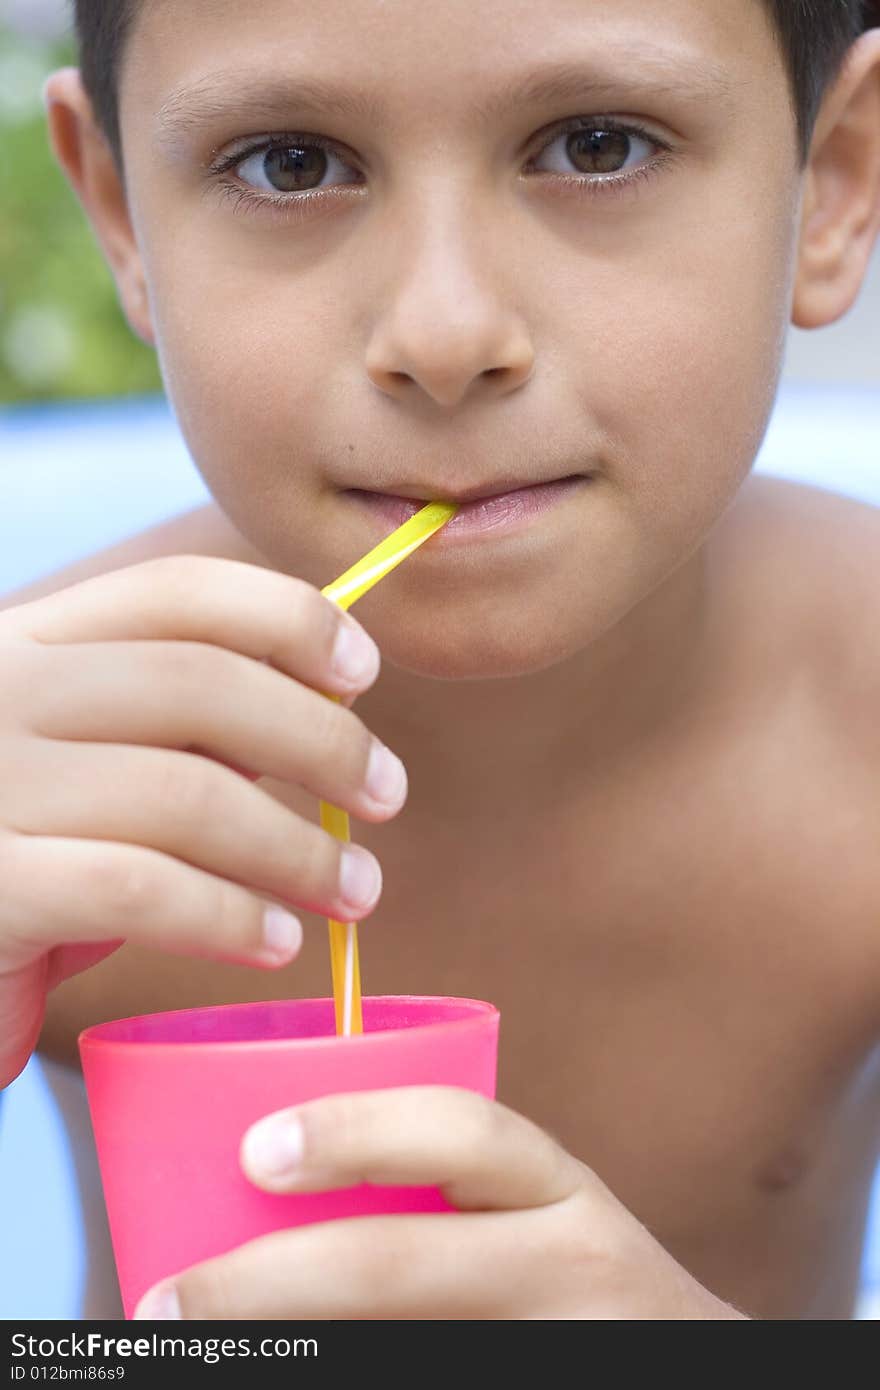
[[250, 199]]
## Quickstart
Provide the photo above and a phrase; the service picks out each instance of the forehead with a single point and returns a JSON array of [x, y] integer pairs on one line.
[[385, 58]]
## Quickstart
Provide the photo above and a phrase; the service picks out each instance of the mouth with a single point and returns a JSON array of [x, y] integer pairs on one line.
[[501, 506]]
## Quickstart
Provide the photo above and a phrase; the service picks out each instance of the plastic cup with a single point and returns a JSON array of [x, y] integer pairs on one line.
[[172, 1094]]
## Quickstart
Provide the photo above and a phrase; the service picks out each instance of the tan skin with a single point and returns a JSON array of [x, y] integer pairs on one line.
[[658, 797]]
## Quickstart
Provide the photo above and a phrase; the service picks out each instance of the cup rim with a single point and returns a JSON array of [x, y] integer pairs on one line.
[[480, 1011]]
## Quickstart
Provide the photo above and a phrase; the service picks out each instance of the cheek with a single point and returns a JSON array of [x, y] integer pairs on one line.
[[247, 361], [238, 362], [685, 372]]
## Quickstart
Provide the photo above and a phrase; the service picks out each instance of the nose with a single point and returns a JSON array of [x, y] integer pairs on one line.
[[447, 330]]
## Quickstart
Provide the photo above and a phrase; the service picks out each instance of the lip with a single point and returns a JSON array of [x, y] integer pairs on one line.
[[478, 515]]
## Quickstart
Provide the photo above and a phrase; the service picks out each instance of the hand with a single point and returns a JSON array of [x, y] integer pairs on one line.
[[536, 1234], [129, 705]]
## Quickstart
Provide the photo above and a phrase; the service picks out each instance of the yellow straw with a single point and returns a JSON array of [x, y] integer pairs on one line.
[[345, 591]]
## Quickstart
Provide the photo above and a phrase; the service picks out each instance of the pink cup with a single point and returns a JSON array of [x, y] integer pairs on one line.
[[172, 1094]]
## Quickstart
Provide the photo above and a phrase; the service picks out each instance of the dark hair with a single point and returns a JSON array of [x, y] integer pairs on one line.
[[102, 27], [814, 35]]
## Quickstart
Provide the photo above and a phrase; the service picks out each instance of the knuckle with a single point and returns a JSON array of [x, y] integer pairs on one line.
[[310, 861], [18, 884], [176, 662], [188, 788], [591, 1251], [313, 611], [307, 617], [479, 1123], [357, 739], [176, 575], [208, 1291], [29, 672], [370, 1264], [123, 882], [362, 742], [313, 850], [10, 620], [20, 765], [333, 1128], [314, 856], [382, 1264], [575, 1250], [332, 731], [585, 1236], [327, 864], [235, 916]]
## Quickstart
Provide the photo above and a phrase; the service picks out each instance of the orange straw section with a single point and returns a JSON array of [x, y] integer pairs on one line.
[[345, 591], [344, 961]]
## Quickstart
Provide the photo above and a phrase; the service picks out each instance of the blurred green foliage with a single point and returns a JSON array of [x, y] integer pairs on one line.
[[62, 333]]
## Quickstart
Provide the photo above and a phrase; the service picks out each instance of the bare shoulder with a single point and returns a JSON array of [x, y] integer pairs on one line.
[[798, 572], [205, 530], [806, 563]]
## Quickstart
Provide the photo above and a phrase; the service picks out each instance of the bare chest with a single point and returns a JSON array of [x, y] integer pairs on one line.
[[679, 957], [678, 969]]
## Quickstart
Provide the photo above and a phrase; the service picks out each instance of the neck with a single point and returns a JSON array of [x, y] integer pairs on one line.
[[469, 745]]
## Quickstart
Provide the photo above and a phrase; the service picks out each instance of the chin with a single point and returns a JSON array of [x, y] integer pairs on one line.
[[437, 653]]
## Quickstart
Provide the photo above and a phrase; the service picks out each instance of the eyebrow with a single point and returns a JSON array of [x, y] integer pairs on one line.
[[643, 71]]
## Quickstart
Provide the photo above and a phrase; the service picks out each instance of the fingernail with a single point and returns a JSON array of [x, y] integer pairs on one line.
[[282, 933], [355, 657], [161, 1304], [274, 1146], [386, 776], [360, 878]]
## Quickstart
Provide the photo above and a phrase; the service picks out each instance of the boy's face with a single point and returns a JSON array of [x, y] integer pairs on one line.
[[477, 293]]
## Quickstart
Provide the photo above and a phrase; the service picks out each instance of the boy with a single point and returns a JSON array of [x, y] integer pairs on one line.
[[546, 254]]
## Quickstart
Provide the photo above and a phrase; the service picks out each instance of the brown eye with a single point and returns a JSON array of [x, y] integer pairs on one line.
[[599, 151], [295, 169], [302, 167]]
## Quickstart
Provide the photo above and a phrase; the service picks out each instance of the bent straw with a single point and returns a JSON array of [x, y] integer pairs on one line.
[[345, 591]]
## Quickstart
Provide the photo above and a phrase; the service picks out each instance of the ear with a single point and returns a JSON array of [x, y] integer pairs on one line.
[[841, 207], [85, 156]]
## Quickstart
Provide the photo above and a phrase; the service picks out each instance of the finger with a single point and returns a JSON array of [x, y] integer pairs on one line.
[[188, 807], [60, 891], [390, 1267], [184, 695], [480, 1154], [257, 612]]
